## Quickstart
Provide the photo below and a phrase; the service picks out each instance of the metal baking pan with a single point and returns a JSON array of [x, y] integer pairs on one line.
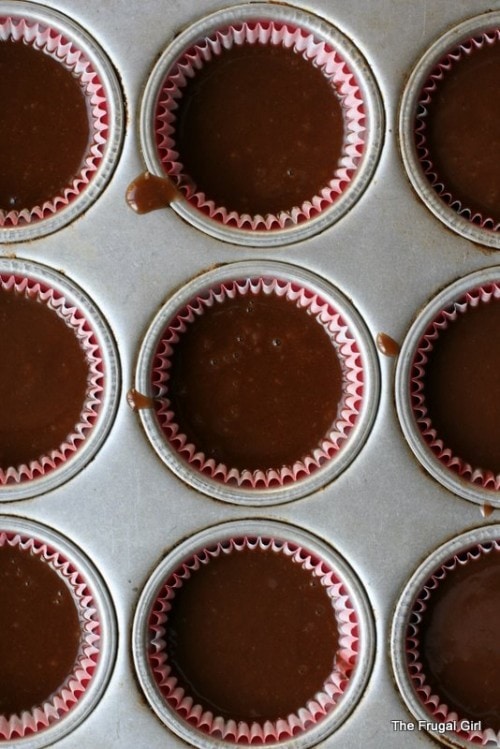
[[389, 255]]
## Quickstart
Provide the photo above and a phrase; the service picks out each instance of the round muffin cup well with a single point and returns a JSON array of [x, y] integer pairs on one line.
[[326, 710], [428, 707], [63, 40], [455, 473], [83, 688], [69, 303], [437, 61], [348, 410], [445, 192], [354, 349], [320, 56], [314, 40]]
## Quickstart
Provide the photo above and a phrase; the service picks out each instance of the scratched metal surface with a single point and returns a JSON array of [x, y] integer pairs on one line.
[[384, 514]]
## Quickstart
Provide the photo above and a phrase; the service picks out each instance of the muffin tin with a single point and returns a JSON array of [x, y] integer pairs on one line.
[[383, 515]]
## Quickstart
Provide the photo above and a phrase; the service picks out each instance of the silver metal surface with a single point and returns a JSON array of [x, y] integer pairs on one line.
[[389, 254]]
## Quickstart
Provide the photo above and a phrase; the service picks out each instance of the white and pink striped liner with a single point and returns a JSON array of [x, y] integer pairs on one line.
[[54, 44], [333, 67], [62, 701], [438, 709], [321, 704], [441, 71], [479, 476], [74, 319], [349, 408]]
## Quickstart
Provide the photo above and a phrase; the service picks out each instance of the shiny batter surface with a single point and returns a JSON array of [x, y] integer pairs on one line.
[[252, 635], [255, 382], [459, 640], [44, 126], [462, 130], [259, 129], [43, 379], [462, 386], [39, 631]]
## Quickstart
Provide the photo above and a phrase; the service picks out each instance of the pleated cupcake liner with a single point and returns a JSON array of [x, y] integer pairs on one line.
[[243, 732], [305, 44], [75, 319], [441, 70], [51, 42], [475, 475], [352, 392], [436, 705], [74, 686]]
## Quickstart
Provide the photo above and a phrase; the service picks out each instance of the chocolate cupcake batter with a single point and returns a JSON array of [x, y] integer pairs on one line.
[[255, 382], [43, 379], [462, 386], [251, 635], [259, 129], [39, 631], [459, 640], [148, 192], [461, 129], [44, 126]]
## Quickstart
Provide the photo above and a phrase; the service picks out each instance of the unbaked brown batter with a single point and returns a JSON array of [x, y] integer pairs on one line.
[[462, 386], [44, 126], [459, 640], [43, 379], [252, 635], [462, 130], [255, 382], [387, 345], [259, 129], [148, 192], [39, 631]]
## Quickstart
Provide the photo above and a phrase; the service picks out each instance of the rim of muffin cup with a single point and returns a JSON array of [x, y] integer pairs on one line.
[[77, 310], [64, 40], [422, 701], [82, 690], [450, 470], [325, 712], [361, 100], [430, 67], [357, 408]]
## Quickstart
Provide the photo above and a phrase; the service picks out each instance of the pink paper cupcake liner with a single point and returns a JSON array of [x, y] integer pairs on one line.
[[323, 56], [349, 408], [439, 711], [75, 685], [321, 704], [65, 51], [478, 476], [74, 319], [439, 73]]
